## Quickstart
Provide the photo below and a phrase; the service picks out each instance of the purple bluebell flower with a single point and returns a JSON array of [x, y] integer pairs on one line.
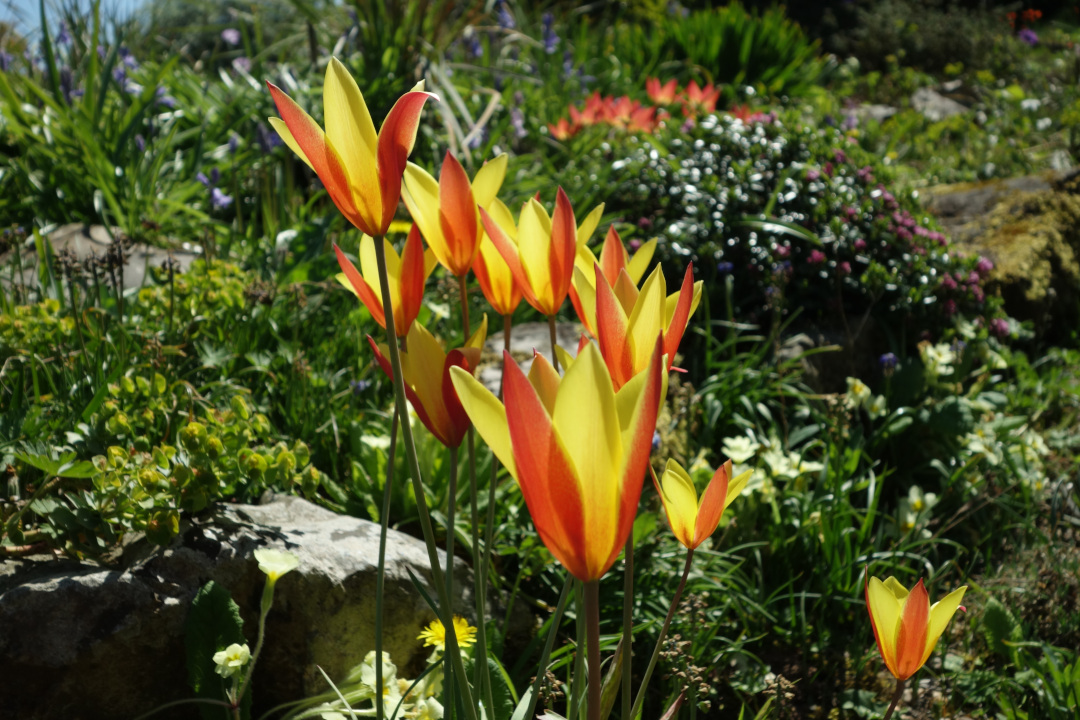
[[119, 74], [215, 176], [473, 45], [128, 59], [231, 36], [725, 267], [655, 440], [6, 59], [517, 121], [140, 143], [242, 64], [887, 361], [567, 65], [850, 122], [63, 37], [234, 143], [266, 138], [503, 16], [66, 82], [219, 200], [101, 52], [201, 177], [167, 100], [1029, 36], [551, 40], [359, 386]]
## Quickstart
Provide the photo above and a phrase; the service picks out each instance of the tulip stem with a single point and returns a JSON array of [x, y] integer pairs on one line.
[[578, 680], [453, 650], [895, 698], [628, 624], [451, 506], [384, 523], [553, 632], [463, 292], [551, 331], [489, 523], [663, 633], [592, 623]]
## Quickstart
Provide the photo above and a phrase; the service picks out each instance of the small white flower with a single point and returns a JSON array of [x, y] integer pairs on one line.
[[1030, 104], [276, 563], [740, 449], [391, 693], [858, 392], [1043, 123], [877, 407], [230, 660]]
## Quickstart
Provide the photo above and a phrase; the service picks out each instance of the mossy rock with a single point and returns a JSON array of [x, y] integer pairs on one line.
[[1030, 229]]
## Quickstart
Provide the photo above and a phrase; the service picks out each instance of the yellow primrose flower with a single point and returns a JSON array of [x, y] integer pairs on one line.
[[230, 660], [435, 634], [276, 563]]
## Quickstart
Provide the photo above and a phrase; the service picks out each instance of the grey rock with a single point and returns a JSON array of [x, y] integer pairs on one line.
[[875, 112], [935, 106], [524, 340], [83, 641], [85, 241]]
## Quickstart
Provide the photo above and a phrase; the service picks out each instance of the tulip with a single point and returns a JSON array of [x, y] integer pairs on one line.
[[613, 259], [407, 275], [360, 169], [494, 275], [698, 99], [446, 210], [577, 448], [661, 94], [628, 321], [426, 371], [907, 627], [691, 522]]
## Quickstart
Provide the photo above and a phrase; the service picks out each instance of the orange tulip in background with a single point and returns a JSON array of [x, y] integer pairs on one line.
[[661, 94], [692, 523], [426, 370], [446, 210], [360, 169], [407, 275], [577, 447], [907, 627]]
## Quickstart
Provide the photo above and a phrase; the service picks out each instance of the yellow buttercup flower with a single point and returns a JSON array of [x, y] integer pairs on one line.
[[435, 634]]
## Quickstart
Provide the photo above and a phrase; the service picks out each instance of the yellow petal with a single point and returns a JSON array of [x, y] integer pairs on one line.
[[587, 294], [488, 180], [369, 268], [680, 501], [736, 486], [420, 191], [286, 135], [422, 368], [586, 421], [885, 611], [588, 225], [640, 262], [545, 380], [564, 357], [487, 414], [502, 216], [645, 321], [673, 300], [898, 590], [480, 336], [941, 613], [534, 246], [352, 134]]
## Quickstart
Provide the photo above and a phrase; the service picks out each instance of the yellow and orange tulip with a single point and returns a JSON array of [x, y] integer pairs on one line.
[[426, 370], [692, 523], [613, 259], [360, 169], [907, 627], [577, 448], [494, 275], [407, 275], [447, 210], [542, 258], [628, 321]]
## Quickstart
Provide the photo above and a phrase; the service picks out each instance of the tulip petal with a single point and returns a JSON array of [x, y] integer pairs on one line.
[[459, 420], [535, 248], [352, 133], [457, 216], [396, 139], [677, 326], [371, 300], [420, 192], [563, 249], [736, 486], [940, 614], [640, 262], [885, 617], [410, 392], [487, 414], [546, 474], [646, 321], [613, 257], [307, 139], [488, 180], [583, 297], [713, 502], [612, 332], [588, 225], [911, 636], [643, 397], [587, 424], [411, 282], [545, 380], [508, 249]]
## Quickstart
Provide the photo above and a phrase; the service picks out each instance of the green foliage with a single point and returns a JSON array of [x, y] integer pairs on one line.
[[1000, 626]]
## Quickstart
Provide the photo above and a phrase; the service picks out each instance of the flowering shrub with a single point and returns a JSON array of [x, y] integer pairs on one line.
[[798, 216]]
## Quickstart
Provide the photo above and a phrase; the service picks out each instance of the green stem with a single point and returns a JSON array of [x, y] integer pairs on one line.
[[380, 577], [451, 507], [592, 622], [264, 610], [663, 633], [445, 608], [899, 693], [489, 521], [187, 701], [463, 293], [554, 339], [578, 681], [553, 631], [628, 625]]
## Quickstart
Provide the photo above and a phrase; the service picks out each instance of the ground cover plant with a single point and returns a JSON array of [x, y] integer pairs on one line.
[[691, 202]]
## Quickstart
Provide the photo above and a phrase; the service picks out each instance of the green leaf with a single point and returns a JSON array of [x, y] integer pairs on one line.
[[999, 626], [213, 623]]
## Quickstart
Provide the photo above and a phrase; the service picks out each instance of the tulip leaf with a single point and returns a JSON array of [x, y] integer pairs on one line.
[[612, 682]]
